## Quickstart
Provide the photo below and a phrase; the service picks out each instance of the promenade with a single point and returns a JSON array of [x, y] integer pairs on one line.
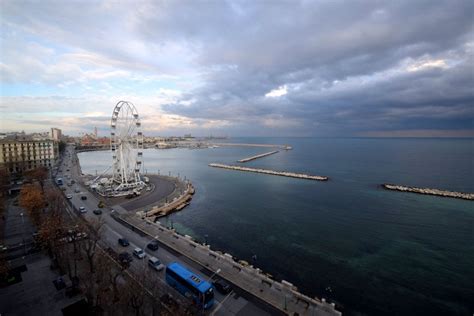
[[283, 295], [176, 203]]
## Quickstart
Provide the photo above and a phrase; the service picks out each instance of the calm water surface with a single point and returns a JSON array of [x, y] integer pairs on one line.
[[379, 252]]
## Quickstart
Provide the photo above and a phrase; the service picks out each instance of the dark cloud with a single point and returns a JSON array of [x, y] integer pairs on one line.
[[367, 48], [348, 67]]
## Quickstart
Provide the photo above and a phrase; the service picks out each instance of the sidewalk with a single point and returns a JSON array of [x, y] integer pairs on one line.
[[36, 293]]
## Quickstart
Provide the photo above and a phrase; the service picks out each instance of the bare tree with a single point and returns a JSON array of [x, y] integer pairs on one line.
[[136, 292], [39, 174], [89, 245], [32, 200]]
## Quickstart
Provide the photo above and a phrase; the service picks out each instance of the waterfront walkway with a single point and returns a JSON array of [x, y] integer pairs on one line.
[[281, 295], [271, 172]]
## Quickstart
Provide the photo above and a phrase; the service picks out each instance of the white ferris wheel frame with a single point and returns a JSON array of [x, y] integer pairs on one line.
[[126, 144]]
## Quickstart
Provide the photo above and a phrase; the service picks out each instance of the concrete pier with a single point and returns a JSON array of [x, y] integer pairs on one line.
[[451, 194], [258, 156], [272, 172]]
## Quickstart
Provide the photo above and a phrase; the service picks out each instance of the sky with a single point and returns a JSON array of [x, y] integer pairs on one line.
[[240, 68]]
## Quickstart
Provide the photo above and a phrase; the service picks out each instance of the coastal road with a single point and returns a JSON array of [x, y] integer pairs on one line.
[[238, 303]]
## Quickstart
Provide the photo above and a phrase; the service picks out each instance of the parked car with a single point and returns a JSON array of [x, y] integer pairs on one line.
[[97, 211], [83, 197], [222, 286], [82, 209], [77, 190], [156, 264], [69, 196], [139, 253], [153, 245], [125, 258], [123, 242]]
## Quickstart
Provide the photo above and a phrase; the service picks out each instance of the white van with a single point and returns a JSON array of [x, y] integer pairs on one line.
[[155, 264]]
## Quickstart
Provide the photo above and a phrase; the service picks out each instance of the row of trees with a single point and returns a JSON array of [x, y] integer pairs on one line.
[[76, 249]]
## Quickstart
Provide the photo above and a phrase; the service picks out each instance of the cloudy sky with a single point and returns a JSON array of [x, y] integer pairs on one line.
[[240, 68]]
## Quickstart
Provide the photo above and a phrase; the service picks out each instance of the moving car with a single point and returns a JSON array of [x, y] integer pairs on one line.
[[97, 211], [153, 245], [156, 264], [222, 286], [139, 253], [83, 197], [69, 196], [123, 242], [82, 209]]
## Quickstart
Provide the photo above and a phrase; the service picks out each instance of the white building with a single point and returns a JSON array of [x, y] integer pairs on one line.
[[56, 134]]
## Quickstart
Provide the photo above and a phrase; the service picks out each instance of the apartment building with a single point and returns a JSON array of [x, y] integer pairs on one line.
[[21, 153]]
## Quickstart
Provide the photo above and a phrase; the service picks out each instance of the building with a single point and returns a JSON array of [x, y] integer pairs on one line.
[[23, 152], [56, 134]]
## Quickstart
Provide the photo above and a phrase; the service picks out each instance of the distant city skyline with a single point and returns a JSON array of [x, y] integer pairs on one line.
[[233, 68]]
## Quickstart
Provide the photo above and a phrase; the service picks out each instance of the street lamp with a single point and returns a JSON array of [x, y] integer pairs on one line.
[[217, 272], [23, 233]]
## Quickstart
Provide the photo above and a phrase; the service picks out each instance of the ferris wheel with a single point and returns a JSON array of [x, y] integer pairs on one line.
[[126, 143]]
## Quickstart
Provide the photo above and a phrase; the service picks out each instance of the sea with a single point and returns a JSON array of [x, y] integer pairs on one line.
[[369, 250]]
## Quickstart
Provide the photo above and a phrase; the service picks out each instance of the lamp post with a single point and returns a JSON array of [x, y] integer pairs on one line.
[[217, 272], [23, 233]]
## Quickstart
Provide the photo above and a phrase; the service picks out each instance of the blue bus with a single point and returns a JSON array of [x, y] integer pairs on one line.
[[190, 285]]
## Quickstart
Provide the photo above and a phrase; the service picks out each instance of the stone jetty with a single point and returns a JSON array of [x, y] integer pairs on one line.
[[272, 172], [285, 147], [258, 156], [451, 194]]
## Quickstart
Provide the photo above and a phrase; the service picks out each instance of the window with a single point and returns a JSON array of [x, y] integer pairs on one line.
[[183, 282]]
